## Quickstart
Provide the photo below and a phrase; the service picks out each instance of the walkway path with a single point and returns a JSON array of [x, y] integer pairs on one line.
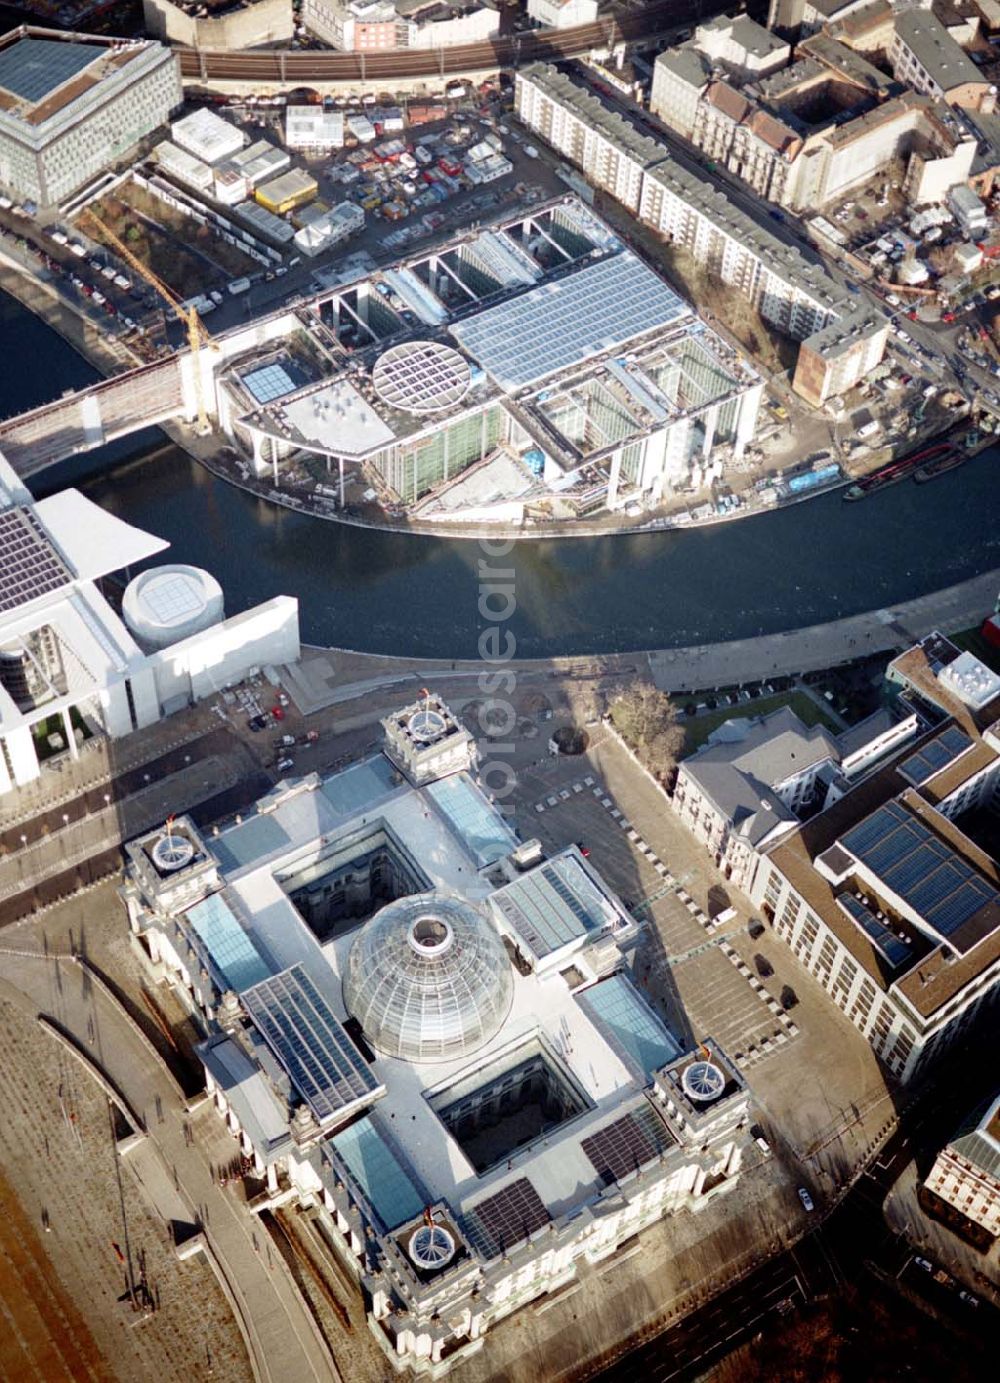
[[281, 1333], [826, 645]]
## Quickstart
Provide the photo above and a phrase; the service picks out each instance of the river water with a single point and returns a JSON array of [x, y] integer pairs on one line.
[[389, 593]]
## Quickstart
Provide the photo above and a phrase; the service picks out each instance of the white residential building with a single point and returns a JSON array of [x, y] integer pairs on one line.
[[72, 106], [562, 14], [359, 26], [744, 48]]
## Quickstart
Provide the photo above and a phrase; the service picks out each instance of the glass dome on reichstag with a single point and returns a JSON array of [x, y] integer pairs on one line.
[[428, 979]]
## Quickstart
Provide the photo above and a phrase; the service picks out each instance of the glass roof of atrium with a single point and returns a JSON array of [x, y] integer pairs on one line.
[[387, 1182], [901, 851], [477, 824], [229, 948], [555, 904], [629, 1025], [360, 786], [562, 323], [428, 979]]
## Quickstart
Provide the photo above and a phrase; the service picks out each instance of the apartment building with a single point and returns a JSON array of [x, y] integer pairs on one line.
[[926, 57], [811, 131], [357, 26], [885, 896], [790, 293], [562, 14], [833, 359], [741, 47], [964, 1183], [219, 25], [72, 105]]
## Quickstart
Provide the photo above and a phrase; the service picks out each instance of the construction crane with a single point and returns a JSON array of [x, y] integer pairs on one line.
[[197, 336]]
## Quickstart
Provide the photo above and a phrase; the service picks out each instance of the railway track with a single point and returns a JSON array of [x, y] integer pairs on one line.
[[298, 68]]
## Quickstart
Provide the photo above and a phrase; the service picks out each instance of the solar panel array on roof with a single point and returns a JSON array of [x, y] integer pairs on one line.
[[229, 947], [903, 852], [890, 947], [554, 905], [631, 1142], [498, 1223], [310, 1043], [387, 1181], [563, 323], [29, 564], [938, 753], [32, 67]]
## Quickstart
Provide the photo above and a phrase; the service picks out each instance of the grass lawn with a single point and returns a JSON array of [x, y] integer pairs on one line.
[[53, 725], [698, 728]]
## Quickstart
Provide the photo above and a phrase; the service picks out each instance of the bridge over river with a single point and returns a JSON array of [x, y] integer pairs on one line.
[[83, 419]]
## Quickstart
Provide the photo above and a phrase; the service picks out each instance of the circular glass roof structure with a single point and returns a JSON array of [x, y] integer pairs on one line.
[[428, 979], [421, 376], [703, 1081]]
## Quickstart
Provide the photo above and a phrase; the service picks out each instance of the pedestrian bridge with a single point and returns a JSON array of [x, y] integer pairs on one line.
[[88, 418]]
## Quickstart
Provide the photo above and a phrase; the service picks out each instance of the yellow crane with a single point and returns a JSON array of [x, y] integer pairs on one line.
[[196, 334]]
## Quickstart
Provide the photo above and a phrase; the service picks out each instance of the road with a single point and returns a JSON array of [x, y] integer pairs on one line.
[[280, 1330], [290, 69], [852, 1237]]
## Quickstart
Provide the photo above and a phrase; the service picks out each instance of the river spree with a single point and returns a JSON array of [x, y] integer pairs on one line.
[[388, 593]]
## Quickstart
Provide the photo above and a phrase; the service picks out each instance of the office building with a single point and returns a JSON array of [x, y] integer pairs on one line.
[[72, 106], [422, 1030], [313, 127], [225, 26], [552, 366], [207, 136], [885, 895], [72, 670], [757, 777]]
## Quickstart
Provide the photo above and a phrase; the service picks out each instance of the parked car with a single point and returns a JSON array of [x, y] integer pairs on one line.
[[806, 1199]]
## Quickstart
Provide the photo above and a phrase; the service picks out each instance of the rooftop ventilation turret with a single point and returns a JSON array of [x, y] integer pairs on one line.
[[703, 1081], [431, 1247]]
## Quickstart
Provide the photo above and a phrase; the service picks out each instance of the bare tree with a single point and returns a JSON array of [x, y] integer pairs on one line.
[[646, 719]]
